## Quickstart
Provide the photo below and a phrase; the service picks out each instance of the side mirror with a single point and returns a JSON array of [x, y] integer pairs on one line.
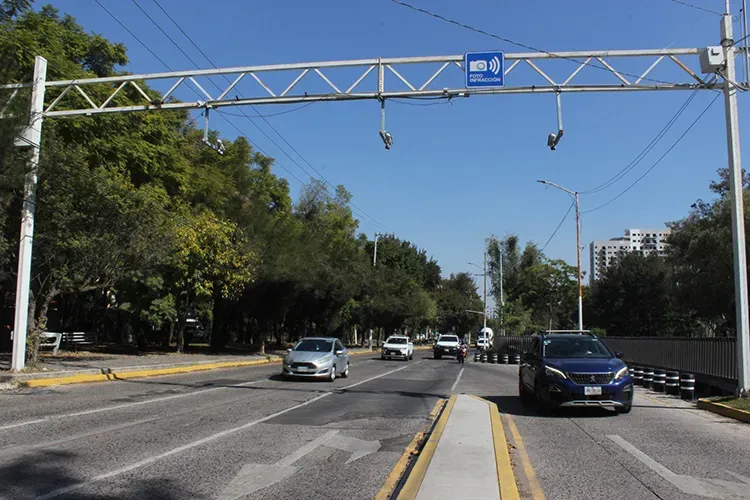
[[289, 350], [340, 352], [619, 355]]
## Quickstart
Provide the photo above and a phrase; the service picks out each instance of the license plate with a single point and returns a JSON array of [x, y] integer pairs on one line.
[[304, 369], [592, 391]]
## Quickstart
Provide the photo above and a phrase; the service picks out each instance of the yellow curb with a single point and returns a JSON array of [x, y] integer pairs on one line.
[[103, 377], [528, 469], [413, 483], [412, 449], [724, 410], [505, 477]]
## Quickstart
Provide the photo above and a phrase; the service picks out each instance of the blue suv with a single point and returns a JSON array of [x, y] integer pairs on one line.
[[574, 370]]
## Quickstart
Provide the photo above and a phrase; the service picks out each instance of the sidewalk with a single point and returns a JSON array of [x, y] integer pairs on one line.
[[466, 456]]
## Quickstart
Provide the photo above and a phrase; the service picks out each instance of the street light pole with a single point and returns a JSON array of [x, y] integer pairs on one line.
[[575, 195], [736, 197]]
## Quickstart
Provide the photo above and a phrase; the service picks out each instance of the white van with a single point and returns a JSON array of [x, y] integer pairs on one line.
[[484, 338]]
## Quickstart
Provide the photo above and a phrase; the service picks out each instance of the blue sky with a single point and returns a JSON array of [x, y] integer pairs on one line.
[[462, 171]]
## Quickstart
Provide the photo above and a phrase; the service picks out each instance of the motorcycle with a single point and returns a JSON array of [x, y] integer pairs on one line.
[[461, 355]]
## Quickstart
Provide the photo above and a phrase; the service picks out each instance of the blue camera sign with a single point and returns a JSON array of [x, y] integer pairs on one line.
[[484, 69]]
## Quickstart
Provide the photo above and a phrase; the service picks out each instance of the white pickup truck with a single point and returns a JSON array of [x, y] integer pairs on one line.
[[446, 345], [398, 346]]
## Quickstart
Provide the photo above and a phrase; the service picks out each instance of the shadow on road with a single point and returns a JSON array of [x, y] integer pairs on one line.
[[512, 405], [50, 470]]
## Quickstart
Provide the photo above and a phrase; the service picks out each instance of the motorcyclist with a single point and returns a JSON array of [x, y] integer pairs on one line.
[[462, 351]]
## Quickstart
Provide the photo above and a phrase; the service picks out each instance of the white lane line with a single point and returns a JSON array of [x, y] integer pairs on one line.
[[128, 405], [453, 387], [124, 405], [208, 439]]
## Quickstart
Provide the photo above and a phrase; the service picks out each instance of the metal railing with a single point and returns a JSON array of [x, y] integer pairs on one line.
[[705, 357]]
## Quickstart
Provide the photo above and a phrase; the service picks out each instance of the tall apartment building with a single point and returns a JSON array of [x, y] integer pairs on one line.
[[604, 253]]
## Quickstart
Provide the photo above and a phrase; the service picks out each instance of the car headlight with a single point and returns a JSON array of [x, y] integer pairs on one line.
[[621, 373], [554, 372], [324, 361]]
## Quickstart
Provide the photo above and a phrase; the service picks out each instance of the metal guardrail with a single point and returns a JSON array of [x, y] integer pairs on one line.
[[705, 357]]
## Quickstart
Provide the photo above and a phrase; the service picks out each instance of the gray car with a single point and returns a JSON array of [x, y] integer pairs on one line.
[[318, 358]]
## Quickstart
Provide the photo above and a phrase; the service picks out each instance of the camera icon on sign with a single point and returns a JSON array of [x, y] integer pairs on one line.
[[478, 65]]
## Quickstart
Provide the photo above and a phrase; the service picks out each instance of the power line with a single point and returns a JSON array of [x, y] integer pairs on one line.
[[554, 233], [519, 44], [645, 151], [113, 16], [298, 108], [364, 214], [660, 158], [697, 7]]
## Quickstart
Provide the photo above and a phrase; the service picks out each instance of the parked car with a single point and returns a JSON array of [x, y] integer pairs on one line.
[[398, 346], [318, 358], [574, 370], [446, 345]]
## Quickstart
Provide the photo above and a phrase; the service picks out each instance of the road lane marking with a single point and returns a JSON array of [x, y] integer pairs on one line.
[[207, 439], [136, 403], [712, 488], [528, 469], [453, 387], [505, 477], [414, 481], [124, 405]]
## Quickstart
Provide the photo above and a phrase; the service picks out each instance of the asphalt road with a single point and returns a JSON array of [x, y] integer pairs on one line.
[[245, 434], [240, 433], [663, 449]]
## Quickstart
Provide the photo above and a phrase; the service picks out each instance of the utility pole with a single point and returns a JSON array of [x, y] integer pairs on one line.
[[738, 212], [31, 137], [484, 274], [502, 298], [375, 254], [574, 194]]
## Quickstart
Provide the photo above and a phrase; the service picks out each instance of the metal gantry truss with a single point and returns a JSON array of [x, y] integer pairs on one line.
[[390, 81], [380, 79]]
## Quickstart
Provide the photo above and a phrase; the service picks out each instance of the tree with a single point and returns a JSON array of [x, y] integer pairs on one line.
[[636, 298], [456, 296]]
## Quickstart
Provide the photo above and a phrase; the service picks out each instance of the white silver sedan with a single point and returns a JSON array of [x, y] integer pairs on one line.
[[317, 358]]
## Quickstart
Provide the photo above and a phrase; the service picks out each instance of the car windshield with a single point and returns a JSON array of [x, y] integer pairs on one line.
[[314, 346], [448, 338], [575, 348], [394, 340]]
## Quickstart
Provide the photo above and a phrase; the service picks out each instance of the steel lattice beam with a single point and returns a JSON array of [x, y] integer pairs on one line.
[[393, 86]]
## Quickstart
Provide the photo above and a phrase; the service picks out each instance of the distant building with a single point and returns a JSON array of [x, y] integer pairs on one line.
[[604, 253]]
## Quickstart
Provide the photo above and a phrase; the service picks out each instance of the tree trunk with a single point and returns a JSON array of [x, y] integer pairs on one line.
[[37, 324], [181, 326]]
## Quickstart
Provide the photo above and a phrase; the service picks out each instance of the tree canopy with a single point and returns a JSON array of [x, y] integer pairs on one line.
[[140, 227]]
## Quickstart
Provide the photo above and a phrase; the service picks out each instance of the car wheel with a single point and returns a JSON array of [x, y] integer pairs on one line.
[[382, 357], [411, 356], [523, 393], [540, 403], [437, 356], [333, 373], [346, 372], [624, 409]]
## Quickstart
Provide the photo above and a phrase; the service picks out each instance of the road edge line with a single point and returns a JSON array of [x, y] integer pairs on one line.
[[724, 410], [110, 376], [536, 488], [412, 449], [505, 477], [417, 474]]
